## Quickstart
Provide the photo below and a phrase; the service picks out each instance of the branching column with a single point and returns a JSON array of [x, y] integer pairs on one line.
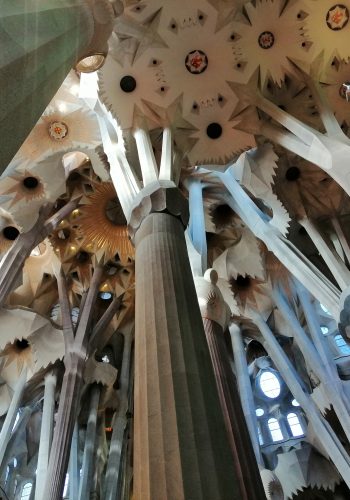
[[74, 361], [181, 448]]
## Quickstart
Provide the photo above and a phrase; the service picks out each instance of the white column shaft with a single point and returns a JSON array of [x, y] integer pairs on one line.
[[197, 220], [46, 433], [7, 427]]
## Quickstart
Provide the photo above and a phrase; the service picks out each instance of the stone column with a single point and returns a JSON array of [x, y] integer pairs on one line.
[[7, 427], [216, 315], [89, 447], [45, 434], [245, 388], [74, 473], [119, 425], [74, 361], [181, 448]]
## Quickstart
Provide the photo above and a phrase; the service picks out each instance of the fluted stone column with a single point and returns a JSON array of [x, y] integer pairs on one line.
[[119, 425], [216, 315], [89, 447], [74, 476], [45, 434], [181, 449], [41, 40]]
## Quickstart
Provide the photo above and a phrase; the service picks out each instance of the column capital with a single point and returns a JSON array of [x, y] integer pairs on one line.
[[160, 196]]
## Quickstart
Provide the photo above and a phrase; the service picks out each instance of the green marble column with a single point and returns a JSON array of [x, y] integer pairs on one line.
[[40, 41]]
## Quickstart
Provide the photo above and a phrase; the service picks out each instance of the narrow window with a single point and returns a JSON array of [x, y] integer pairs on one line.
[[65, 489], [26, 490], [275, 430], [75, 315], [341, 344], [261, 440], [294, 425]]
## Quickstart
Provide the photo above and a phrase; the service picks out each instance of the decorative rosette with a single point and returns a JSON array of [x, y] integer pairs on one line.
[[326, 23]]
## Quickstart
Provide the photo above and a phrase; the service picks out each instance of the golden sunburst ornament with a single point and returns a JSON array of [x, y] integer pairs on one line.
[[103, 224]]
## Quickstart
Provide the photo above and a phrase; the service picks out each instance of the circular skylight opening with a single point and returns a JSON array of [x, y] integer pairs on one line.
[[295, 403], [128, 84], [259, 412], [10, 233], [105, 295], [214, 130], [270, 385], [30, 182], [324, 329]]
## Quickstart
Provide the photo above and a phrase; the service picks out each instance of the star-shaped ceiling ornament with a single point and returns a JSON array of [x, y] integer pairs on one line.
[[219, 137], [273, 40]]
